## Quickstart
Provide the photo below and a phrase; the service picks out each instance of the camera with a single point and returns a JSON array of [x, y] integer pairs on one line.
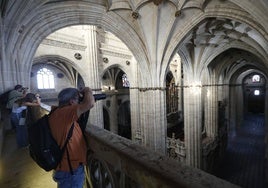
[[96, 97], [99, 96]]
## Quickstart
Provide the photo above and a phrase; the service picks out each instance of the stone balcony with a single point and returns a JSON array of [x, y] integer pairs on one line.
[[116, 162]]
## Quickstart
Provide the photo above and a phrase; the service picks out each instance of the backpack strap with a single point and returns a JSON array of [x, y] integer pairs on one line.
[[70, 133]]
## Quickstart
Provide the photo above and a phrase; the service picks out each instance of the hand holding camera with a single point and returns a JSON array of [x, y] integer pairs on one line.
[[96, 96]]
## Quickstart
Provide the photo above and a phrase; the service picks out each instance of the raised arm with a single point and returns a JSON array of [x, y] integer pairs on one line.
[[87, 103]]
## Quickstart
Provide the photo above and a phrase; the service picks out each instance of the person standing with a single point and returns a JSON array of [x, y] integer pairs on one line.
[[34, 112], [18, 117], [17, 93], [70, 108]]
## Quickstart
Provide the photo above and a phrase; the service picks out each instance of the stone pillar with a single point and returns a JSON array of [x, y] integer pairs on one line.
[[93, 79], [135, 116], [211, 111], [240, 108], [232, 113], [266, 133], [113, 115], [153, 118], [3, 63], [193, 123]]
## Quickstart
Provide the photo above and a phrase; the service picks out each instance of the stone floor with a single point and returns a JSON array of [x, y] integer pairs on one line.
[[243, 163], [18, 170]]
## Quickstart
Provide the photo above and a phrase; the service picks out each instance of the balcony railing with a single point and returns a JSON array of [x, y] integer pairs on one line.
[[116, 162]]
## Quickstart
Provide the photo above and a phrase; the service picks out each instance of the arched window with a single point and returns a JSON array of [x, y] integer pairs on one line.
[[45, 79], [125, 81], [256, 78]]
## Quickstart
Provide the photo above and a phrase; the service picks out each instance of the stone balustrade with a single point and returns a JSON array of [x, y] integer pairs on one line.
[[116, 162], [176, 149]]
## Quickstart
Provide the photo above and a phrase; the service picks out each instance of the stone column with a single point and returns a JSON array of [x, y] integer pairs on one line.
[[240, 108], [153, 118], [211, 110], [135, 116], [231, 111], [3, 63], [93, 79], [193, 123], [113, 115], [266, 134]]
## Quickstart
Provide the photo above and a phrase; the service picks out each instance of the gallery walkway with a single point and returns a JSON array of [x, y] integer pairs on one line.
[[17, 169], [243, 163]]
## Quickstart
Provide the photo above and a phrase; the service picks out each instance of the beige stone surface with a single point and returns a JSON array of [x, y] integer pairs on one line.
[[18, 170]]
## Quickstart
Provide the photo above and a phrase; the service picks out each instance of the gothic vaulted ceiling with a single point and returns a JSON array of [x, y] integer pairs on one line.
[[199, 30]]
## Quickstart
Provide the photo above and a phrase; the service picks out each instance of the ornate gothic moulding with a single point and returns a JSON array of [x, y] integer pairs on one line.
[[63, 44], [134, 7], [115, 54], [144, 89], [105, 60]]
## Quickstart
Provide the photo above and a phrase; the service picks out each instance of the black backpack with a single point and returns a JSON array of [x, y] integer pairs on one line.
[[4, 99], [43, 148]]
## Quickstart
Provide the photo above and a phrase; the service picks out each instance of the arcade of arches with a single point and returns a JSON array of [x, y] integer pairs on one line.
[[179, 75]]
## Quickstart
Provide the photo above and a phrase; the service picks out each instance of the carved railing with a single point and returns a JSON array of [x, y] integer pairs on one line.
[[116, 162], [176, 149]]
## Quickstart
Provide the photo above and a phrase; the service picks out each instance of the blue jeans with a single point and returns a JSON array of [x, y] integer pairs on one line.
[[21, 130], [67, 180], [14, 119]]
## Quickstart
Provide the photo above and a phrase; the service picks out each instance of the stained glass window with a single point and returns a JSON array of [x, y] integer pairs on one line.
[[256, 78], [125, 81], [45, 79]]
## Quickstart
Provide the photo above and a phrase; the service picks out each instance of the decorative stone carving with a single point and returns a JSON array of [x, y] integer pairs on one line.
[[177, 13], [78, 56], [176, 148], [128, 62], [115, 54], [135, 15], [105, 60], [152, 88], [60, 44], [172, 153]]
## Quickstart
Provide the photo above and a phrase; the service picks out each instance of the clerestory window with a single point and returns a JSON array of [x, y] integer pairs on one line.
[[45, 79]]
